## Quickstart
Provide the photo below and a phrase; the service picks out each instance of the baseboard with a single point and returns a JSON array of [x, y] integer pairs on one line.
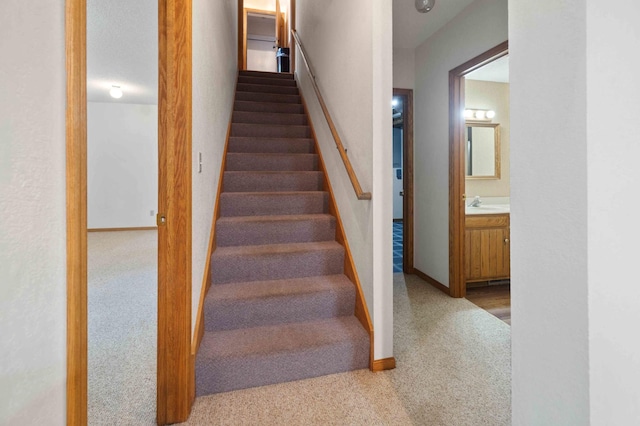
[[384, 364], [435, 283], [138, 228]]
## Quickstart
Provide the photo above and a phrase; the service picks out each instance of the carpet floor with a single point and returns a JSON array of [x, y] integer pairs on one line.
[[453, 358]]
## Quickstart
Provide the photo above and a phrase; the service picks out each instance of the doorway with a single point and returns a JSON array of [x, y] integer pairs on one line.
[[460, 240], [402, 158], [260, 40], [174, 370]]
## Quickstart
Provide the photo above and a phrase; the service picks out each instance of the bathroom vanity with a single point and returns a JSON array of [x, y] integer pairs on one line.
[[487, 243]]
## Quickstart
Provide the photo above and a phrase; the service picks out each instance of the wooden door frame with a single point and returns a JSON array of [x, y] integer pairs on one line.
[[407, 179], [457, 198], [174, 143]]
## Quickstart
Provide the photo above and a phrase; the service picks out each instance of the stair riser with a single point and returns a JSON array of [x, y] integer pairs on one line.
[[269, 107], [274, 232], [272, 181], [227, 374], [245, 204], [260, 88], [266, 118], [272, 146], [276, 266], [270, 75], [271, 162], [232, 315], [267, 97], [268, 131], [245, 79]]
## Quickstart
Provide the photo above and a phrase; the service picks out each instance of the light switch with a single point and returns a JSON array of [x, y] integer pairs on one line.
[[199, 162]]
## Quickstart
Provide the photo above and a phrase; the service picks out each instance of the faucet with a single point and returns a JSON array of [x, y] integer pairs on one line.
[[476, 201]]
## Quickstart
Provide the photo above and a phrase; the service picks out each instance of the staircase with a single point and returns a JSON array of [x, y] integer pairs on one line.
[[280, 307]]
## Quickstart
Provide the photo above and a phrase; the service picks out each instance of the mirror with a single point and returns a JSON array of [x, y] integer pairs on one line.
[[482, 150]]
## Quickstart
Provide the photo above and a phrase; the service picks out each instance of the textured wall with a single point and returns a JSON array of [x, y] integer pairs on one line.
[[32, 207], [404, 68], [349, 48], [214, 75], [479, 27], [122, 165]]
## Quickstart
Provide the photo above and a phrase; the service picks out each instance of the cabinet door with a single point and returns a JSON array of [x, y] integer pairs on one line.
[[487, 254]]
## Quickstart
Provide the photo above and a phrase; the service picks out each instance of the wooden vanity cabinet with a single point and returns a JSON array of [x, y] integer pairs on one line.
[[486, 247]]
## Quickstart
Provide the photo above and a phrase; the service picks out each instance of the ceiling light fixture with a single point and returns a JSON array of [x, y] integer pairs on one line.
[[423, 6], [115, 92]]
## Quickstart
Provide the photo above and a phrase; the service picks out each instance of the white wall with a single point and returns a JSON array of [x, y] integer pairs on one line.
[[260, 4], [122, 165], [404, 68], [613, 175], [261, 56], [32, 207], [479, 27], [215, 64], [575, 301], [357, 88]]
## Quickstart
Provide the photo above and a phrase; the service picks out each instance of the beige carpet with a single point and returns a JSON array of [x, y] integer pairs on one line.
[[453, 359]]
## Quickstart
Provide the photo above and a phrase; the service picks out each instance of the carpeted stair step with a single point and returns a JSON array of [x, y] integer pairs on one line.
[[271, 145], [248, 79], [237, 161], [276, 261], [267, 88], [268, 107], [270, 131], [272, 181], [238, 359], [258, 230], [273, 203], [259, 303], [268, 97], [269, 118], [266, 74]]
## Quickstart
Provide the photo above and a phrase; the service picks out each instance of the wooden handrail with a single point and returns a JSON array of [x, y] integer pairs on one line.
[[343, 152]]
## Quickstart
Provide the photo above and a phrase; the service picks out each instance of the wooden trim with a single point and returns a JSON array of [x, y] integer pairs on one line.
[[407, 181], [76, 206], [139, 228], [383, 364], [206, 280], [435, 283], [457, 286], [343, 153], [242, 36], [174, 202], [292, 50], [361, 310]]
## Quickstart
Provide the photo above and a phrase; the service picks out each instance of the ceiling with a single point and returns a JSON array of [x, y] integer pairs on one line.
[[122, 49], [496, 71], [411, 28]]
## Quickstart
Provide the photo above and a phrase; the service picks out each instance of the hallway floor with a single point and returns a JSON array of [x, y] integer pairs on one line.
[[446, 350]]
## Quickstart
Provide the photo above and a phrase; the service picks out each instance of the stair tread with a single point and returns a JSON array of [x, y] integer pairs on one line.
[[273, 339], [276, 249], [266, 74], [275, 218], [278, 288]]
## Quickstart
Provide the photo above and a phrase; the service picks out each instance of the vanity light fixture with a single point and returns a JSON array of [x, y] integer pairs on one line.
[[115, 92], [424, 6], [479, 114]]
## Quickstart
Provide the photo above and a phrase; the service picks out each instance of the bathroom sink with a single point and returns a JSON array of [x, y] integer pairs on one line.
[[488, 209]]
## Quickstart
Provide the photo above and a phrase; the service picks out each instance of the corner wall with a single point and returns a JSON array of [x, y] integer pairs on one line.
[[349, 47], [215, 70], [479, 27], [32, 206]]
